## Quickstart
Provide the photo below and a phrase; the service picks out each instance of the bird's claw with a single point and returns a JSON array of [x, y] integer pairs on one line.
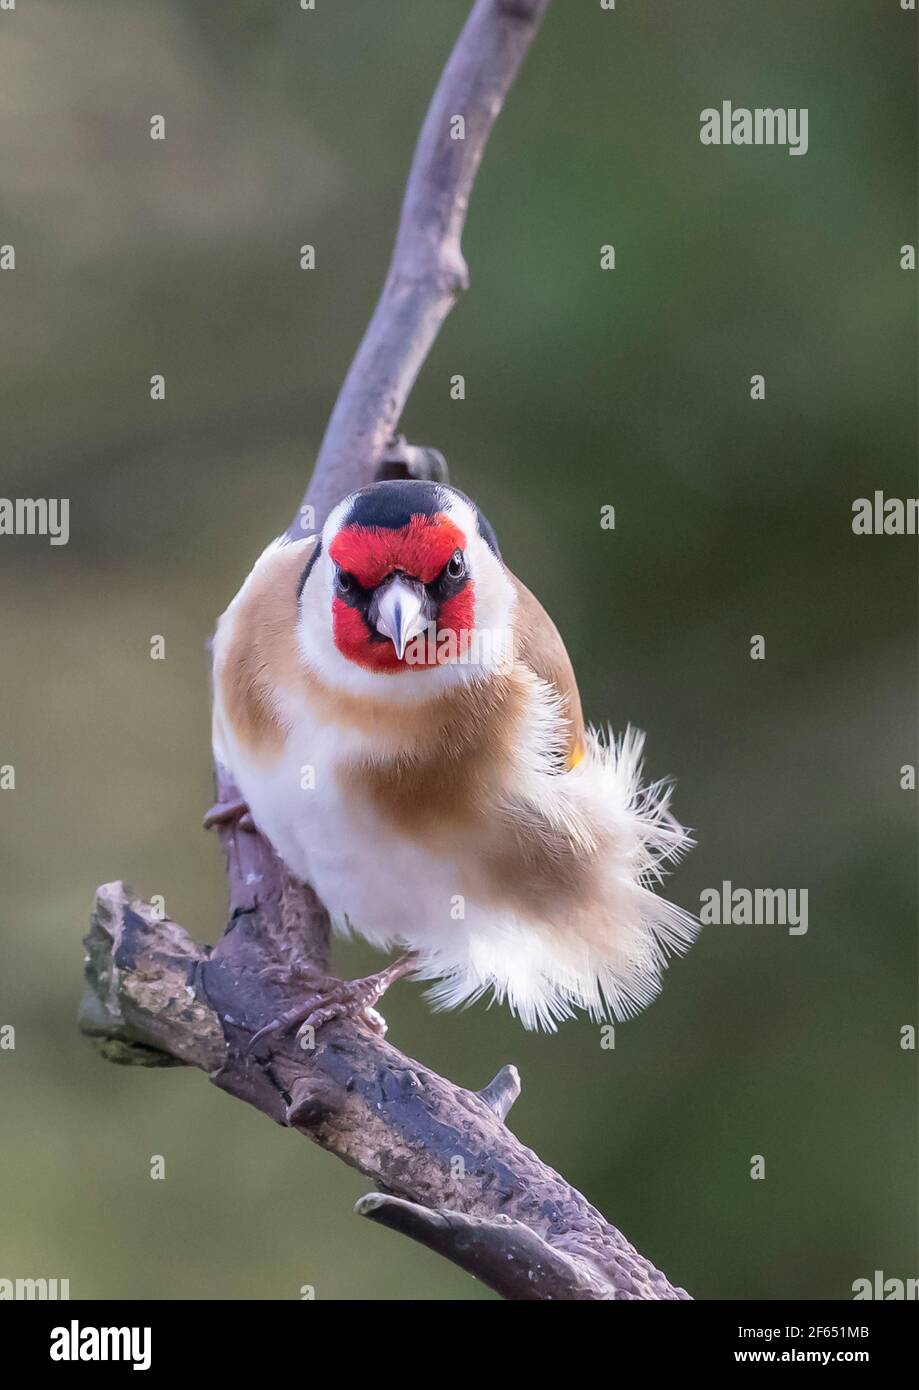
[[330, 999], [230, 812]]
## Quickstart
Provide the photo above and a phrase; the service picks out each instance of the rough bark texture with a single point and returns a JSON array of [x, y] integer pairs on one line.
[[451, 1174]]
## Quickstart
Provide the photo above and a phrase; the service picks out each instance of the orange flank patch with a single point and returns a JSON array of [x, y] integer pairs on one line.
[[576, 756]]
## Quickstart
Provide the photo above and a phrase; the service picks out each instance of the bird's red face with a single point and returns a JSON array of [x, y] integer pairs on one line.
[[398, 589]]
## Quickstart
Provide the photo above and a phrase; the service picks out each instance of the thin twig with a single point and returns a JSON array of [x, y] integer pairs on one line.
[[427, 271]]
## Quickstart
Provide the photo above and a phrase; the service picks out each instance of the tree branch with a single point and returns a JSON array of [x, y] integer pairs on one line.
[[427, 271], [452, 1175]]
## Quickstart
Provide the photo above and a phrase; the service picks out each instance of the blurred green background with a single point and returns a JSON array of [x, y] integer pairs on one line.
[[584, 388]]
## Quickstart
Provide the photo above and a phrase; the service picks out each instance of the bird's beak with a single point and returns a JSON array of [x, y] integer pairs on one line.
[[400, 613]]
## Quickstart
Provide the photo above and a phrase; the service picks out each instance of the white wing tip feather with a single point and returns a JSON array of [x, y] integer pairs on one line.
[[545, 978]]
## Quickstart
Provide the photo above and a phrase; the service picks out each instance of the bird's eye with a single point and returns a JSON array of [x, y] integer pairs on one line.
[[456, 566], [344, 581]]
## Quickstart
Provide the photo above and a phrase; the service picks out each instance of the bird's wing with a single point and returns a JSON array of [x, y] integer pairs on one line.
[[255, 651], [539, 646]]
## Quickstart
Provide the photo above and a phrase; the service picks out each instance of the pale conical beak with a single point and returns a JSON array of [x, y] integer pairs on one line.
[[400, 614]]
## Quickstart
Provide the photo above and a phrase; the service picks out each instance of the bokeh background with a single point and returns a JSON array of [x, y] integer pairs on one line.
[[584, 389]]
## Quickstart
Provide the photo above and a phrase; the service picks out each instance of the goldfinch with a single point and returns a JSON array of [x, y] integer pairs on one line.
[[402, 720]]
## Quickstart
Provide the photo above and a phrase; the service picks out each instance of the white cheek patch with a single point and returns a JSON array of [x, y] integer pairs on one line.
[[495, 601], [335, 520]]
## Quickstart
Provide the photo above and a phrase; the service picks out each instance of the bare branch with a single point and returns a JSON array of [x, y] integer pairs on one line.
[[502, 1091], [502, 1253], [467, 1187], [427, 271]]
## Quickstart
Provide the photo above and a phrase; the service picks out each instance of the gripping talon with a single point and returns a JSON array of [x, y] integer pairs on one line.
[[333, 999], [262, 1033]]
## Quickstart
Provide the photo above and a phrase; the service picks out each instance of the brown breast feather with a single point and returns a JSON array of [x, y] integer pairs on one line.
[[538, 644], [261, 655]]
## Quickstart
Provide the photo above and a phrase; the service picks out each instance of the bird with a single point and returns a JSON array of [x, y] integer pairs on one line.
[[403, 723]]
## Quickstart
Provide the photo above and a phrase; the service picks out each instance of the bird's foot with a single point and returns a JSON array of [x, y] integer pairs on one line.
[[328, 998], [230, 813]]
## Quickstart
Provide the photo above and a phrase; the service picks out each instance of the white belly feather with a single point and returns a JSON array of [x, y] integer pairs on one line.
[[370, 878]]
